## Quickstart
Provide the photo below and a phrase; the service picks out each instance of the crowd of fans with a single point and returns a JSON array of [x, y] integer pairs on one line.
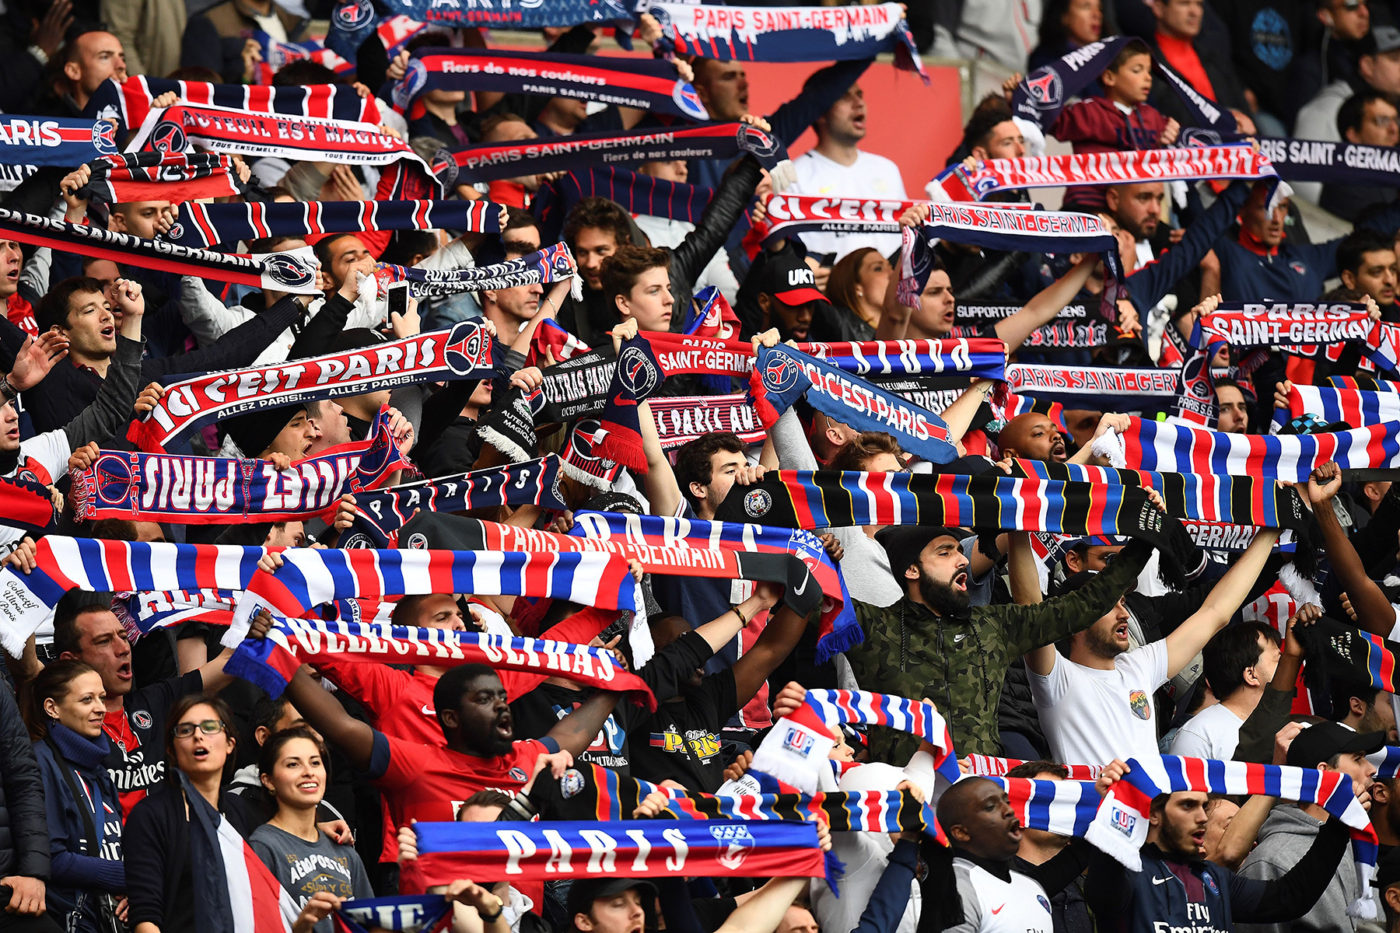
[[1082, 657]]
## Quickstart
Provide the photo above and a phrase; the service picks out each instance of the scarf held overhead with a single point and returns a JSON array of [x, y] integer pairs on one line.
[[161, 176], [553, 263], [464, 352], [63, 142], [205, 225]]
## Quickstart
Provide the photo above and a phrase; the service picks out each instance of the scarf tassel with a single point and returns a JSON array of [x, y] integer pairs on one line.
[[767, 414]]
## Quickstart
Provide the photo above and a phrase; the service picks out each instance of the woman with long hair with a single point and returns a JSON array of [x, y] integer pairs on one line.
[[1066, 25], [66, 704], [857, 287], [293, 767]]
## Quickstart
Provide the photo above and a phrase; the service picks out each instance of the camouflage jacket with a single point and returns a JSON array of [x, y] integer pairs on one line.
[[960, 662]]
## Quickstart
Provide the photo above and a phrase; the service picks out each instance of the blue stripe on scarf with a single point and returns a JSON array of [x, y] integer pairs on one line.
[[63, 142], [413, 913]]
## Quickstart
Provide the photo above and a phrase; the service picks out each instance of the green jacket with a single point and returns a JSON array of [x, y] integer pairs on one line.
[[960, 663]]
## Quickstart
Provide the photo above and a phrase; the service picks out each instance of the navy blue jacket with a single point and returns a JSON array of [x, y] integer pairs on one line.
[[1173, 893]]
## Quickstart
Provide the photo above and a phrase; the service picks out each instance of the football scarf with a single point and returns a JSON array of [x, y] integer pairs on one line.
[[656, 534], [295, 138], [1192, 163], [238, 894], [917, 717], [160, 176], [682, 419], [788, 215], [271, 662], [1340, 163], [724, 141], [129, 102], [1042, 94], [789, 34], [636, 377], [628, 848], [645, 84], [464, 352], [637, 193], [1239, 499], [782, 375], [63, 142], [1066, 808], [1352, 406], [1157, 446], [1357, 656], [551, 264], [97, 565], [988, 766], [411, 913], [579, 461], [1120, 828], [1057, 335], [310, 578], [829, 498], [221, 491], [206, 225], [25, 505], [380, 514], [292, 271], [276, 54]]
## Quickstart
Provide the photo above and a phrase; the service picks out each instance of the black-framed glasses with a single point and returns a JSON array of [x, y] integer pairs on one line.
[[184, 730]]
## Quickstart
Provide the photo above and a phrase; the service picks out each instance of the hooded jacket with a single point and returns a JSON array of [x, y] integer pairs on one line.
[[1284, 839]]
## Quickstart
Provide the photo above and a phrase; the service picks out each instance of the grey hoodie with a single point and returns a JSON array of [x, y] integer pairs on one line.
[[1284, 837]]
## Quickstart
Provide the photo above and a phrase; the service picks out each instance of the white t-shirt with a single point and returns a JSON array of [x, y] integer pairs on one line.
[[43, 459], [991, 905], [1091, 716], [1212, 733], [870, 176]]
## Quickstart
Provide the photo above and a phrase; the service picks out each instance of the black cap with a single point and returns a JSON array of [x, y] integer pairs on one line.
[[904, 543], [1326, 740], [584, 891], [787, 277], [1379, 40]]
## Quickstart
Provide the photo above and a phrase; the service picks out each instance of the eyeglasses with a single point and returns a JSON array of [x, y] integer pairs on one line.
[[1383, 121], [184, 730]]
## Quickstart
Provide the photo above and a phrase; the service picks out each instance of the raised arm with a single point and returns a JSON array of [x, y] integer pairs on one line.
[[762, 912], [1025, 591], [323, 712], [1374, 612], [576, 731], [779, 637], [1050, 301], [958, 416], [1187, 640]]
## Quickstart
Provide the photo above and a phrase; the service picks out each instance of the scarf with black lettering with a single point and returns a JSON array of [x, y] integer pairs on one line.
[[160, 176], [838, 630], [379, 514], [644, 84], [1190, 164], [630, 848], [1121, 825], [724, 141], [550, 264], [637, 193], [1042, 94], [206, 225], [1220, 498], [788, 34], [782, 375], [1157, 446], [293, 271], [271, 662], [464, 352], [63, 142], [990, 501], [218, 490], [129, 102]]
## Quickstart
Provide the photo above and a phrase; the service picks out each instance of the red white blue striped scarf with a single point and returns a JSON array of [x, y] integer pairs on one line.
[[1120, 828], [639, 83], [1066, 808], [310, 578], [205, 225], [1157, 446], [917, 717], [129, 102], [1190, 164], [1357, 407], [291, 272], [464, 352], [217, 490], [270, 663], [990, 766], [788, 34]]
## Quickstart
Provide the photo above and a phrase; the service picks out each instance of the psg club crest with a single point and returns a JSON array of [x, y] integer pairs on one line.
[[1044, 89], [637, 372], [467, 348], [104, 136], [168, 137], [688, 100], [780, 374], [354, 16], [752, 139], [288, 270], [113, 479]]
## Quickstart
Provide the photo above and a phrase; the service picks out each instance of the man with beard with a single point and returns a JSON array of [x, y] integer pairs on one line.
[[932, 643], [998, 890], [1095, 704], [1178, 888]]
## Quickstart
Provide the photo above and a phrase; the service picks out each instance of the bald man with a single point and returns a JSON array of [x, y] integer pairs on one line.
[[1032, 436], [997, 888]]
